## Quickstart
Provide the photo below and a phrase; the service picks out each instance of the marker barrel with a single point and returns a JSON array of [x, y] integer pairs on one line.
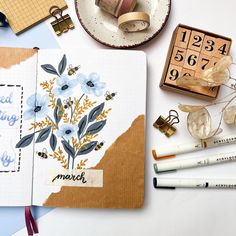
[[194, 146], [162, 166], [194, 183]]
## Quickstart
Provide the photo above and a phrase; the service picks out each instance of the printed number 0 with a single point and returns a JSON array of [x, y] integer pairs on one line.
[[175, 74], [192, 60]]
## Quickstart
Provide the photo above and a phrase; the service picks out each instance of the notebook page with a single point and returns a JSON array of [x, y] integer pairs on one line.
[[94, 98], [17, 82]]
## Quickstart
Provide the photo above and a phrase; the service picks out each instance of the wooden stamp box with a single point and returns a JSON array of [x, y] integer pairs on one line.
[[191, 52]]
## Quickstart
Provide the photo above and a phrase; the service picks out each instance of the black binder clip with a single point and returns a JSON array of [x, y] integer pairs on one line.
[[166, 125], [62, 24], [3, 20]]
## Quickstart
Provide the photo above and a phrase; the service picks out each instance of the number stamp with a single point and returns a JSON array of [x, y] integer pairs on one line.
[[182, 38], [191, 60], [209, 45], [173, 74], [178, 56], [187, 72], [204, 63], [222, 48], [193, 51], [196, 41]]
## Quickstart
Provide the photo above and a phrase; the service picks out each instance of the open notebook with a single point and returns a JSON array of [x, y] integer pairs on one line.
[[72, 128]]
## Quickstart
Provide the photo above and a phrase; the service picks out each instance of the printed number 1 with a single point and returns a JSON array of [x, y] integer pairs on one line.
[[184, 36]]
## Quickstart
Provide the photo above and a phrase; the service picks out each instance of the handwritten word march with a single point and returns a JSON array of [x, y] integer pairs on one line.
[[7, 115]]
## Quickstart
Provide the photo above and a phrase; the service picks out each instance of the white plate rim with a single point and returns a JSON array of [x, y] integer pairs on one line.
[[122, 46]]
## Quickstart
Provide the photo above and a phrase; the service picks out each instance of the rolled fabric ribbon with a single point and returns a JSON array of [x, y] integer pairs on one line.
[[3, 20], [126, 6], [30, 222], [134, 21], [116, 7]]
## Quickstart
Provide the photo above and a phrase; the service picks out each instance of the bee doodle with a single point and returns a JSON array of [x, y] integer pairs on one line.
[[99, 146], [43, 154], [109, 96], [72, 70], [68, 103]]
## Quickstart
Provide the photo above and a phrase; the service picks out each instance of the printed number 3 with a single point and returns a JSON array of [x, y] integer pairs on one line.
[[210, 48]]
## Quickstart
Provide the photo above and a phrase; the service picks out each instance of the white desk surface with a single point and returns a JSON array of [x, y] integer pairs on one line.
[[181, 212]]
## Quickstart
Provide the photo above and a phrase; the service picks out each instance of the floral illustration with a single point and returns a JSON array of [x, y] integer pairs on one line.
[[65, 86], [70, 125], [38, 106], [91, 84]]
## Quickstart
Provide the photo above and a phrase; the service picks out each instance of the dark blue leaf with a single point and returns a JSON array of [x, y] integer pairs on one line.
[[58, 111], [96, 127], [87, 148], [95, 112], [62, 65], [49, 69], [25, 141], [82, 124], [68, 148], [43, 135], [53, 142]]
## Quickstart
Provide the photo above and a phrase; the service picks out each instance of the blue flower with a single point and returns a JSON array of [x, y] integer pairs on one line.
[[65, 86], [67, 131], [91, 85], [38, 107]]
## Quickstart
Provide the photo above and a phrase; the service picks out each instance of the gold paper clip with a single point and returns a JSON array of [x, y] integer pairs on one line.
[[62, 24], [166, 125]]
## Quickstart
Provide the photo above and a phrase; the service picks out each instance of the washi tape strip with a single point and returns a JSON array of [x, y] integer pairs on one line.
[[134, 21]]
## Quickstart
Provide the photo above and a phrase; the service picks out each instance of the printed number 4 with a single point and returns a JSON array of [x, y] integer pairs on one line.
[[222, 49]]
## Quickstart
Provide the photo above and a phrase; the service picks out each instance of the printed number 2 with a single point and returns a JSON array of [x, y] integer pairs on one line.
[[174, 74], [198, 40]]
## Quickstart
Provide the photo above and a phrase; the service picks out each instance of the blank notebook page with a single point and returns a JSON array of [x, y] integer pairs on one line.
[[24, 14]]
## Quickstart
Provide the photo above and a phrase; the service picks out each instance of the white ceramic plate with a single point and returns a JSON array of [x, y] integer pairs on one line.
[[104, 28]]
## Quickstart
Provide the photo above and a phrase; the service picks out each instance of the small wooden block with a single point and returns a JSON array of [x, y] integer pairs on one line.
[[191, 59], [222, 47], [178, 56], [182, 38], [187, 72], [209, 44], [196, 41], [204, 63], [173, 74], [214, 60]]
